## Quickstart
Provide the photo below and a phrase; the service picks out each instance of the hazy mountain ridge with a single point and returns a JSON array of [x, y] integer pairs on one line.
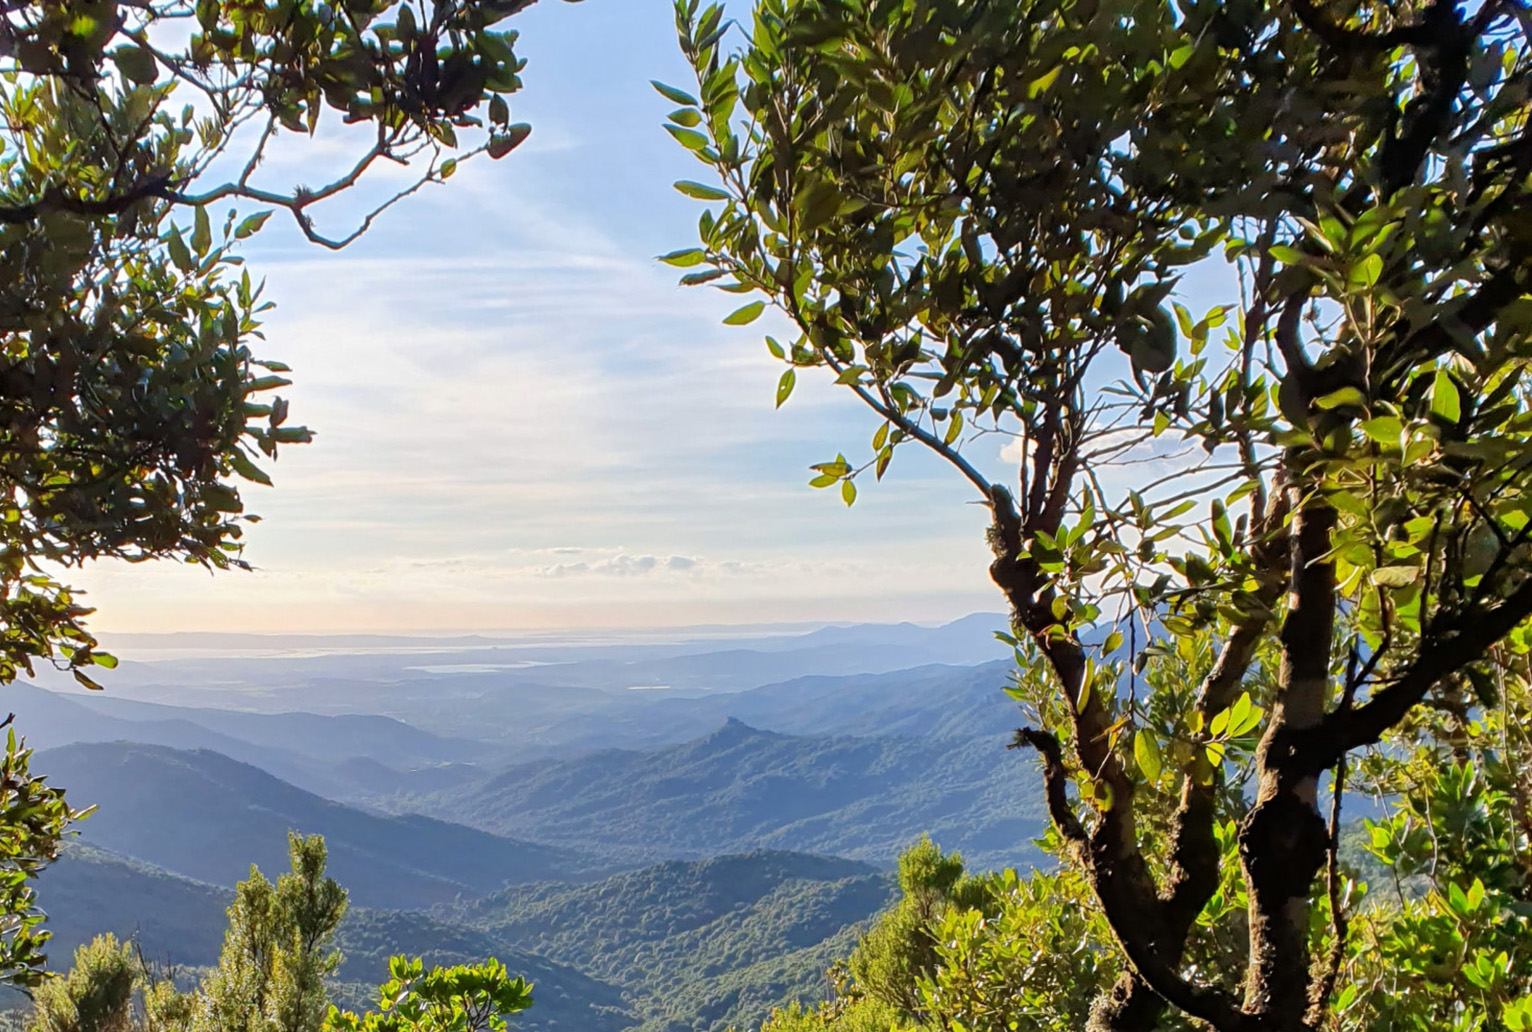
[[808, 747], [745, 788], [203, 815]]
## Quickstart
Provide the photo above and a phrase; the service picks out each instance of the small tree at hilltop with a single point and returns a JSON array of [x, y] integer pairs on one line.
[[276, 953], [975, 216]]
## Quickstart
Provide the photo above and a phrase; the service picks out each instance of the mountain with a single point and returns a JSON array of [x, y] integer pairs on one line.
[[320, 753], [90, 890], [343, 737], [703, 945], [180, 921], [933, 701], [742, 787], [209, 817]]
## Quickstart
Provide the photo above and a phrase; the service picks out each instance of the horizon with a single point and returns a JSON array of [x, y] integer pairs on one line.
[[523, 423]]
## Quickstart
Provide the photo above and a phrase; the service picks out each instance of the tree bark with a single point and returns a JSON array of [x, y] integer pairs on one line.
[[1282, 841]]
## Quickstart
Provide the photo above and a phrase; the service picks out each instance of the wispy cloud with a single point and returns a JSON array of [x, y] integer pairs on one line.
[[522, 421]]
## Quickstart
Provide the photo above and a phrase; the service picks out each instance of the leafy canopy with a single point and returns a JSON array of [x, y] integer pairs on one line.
[[981, 220], [133, 402]]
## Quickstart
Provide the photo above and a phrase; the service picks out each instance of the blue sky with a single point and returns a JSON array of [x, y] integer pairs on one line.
[[523, 422]]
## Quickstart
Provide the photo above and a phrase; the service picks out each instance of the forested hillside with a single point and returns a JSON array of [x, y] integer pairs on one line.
[[679, 946], [742, 787]]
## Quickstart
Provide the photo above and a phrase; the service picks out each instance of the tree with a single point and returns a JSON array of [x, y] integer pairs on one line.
[[466, 998], [35, 818], [132, 406], [1437, 894], [132, 135], [276, 953], [976, 218], [96, 995], [271, 974]]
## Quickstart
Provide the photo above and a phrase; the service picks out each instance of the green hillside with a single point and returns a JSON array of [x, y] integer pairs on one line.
[[699, 945], [679, 947], [744, 788], [208, 817]]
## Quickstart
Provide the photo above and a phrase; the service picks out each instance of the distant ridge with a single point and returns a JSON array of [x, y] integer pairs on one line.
[[742, 787], [203, 815]]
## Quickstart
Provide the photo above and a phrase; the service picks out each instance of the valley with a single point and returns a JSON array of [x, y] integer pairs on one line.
[[675, 859]]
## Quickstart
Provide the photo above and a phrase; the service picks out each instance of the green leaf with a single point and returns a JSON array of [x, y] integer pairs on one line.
[[1041, 84], [746, 315], [247, 469], [202, 234], [1445, 401], [136, 64], [178, 251], [673, 95], [1385, 430], [1395, 576], [502, 144], [685, 259], [1348, 397], [691, 139], [252, 225], [847, 491], [785, 386], [1146, 750], [688, 117], [700, 191], [1365, 273], [824, 480]]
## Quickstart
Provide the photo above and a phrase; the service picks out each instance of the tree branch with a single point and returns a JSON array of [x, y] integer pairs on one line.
[[1447, 651]]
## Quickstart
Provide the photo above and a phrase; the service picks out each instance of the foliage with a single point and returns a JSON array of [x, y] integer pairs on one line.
[[34, 817], [901, 949], [96, 995], [701, 944], [466, 998], [977, 952], [276, 952], [1443, 943], [273, 973], [132, 403], [978, 219]]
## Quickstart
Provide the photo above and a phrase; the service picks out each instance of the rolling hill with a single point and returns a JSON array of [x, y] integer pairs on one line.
[[744, 788], [180, 921], [208, 817], [680, 947], [703, 945], [311, 750]]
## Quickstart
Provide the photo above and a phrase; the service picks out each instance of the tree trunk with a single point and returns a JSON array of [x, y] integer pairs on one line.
[[1283, 839]]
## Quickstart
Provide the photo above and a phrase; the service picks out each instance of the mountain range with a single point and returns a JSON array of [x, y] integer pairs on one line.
[[665, 835], [205, 816]]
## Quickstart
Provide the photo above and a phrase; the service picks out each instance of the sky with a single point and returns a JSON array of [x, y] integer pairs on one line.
[[522, 422]]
